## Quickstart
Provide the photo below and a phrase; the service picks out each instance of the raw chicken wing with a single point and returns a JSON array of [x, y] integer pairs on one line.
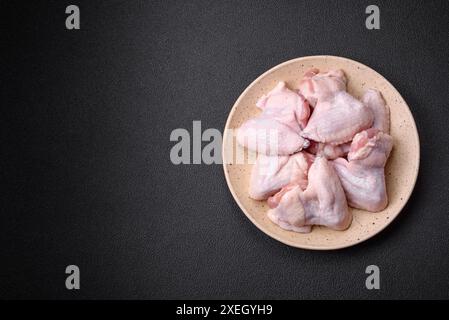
[[337, 120], [268, 136], [323, 202], [277, 130], [363, 176], [271, 173], [373, 100], [285, 106], [321, 86]]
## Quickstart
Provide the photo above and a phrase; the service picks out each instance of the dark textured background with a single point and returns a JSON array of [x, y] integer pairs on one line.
[[85, 123]]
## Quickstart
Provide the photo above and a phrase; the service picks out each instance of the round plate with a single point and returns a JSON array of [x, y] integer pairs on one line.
[[401, 170]]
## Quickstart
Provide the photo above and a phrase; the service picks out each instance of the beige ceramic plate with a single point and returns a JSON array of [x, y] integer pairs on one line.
[[401, 170]]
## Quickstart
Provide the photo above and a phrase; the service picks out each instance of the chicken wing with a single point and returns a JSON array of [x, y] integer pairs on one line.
[[277, 130], [363, 176], [337, 120], [316, 86], [323, 202], [268, 136], [286, 106], [373, 99], [271, 173]]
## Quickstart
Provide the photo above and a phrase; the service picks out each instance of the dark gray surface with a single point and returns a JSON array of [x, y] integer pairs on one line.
[[86, 118]]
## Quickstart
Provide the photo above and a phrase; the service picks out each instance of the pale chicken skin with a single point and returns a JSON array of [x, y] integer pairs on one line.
[[337, 120], [277, 130], [323, 202], [271, 173], [363, 175], [270, 137], [286, 106], [316, 86], [373, 99]]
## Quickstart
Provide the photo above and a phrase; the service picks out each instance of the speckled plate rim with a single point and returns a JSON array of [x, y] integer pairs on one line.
[[253, 220]]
